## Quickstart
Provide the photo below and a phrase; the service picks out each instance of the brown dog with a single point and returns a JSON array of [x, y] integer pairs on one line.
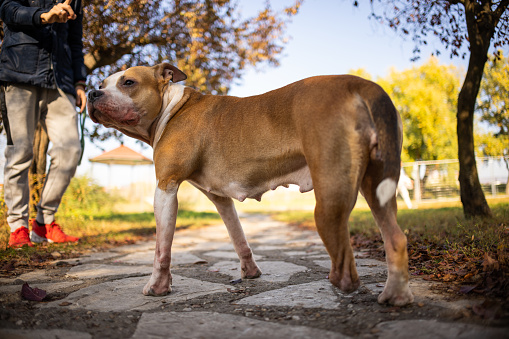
[[334, 134]]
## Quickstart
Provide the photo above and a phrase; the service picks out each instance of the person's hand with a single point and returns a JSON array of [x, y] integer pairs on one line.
[[60, 13], [81, 98]]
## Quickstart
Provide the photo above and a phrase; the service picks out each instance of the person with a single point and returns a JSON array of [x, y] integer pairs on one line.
[[43, 76], [404, 184]]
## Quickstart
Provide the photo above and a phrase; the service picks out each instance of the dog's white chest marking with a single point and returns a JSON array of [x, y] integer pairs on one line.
[[171, 97]]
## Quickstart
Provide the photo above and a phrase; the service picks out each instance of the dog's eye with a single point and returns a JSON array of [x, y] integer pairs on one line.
[[128, 83]]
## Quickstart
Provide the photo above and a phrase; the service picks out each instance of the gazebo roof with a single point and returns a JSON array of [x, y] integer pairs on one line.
[[122, 155]]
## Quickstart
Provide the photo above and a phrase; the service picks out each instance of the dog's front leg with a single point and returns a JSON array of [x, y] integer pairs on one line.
[[226, 209], [165, 211]]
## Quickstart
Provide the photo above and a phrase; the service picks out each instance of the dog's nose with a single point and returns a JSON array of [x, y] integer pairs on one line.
[[94, 95]]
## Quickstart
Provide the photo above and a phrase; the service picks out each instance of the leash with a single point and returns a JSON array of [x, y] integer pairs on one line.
[[82, 132], [4, 120]]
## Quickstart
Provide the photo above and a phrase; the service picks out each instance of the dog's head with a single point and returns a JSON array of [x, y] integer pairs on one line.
[[129, 98]]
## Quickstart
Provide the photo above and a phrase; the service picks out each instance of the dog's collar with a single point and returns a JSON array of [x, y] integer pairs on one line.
[[171, 97]]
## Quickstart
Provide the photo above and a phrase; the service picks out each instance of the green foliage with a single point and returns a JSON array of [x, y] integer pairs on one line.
[[426, 97], [493, 100], [85, 198], [493, 105]]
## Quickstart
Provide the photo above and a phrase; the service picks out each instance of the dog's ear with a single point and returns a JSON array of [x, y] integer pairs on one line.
[[169, 72]]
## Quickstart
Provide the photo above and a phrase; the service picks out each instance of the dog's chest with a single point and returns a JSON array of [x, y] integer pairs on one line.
[[240, 189]]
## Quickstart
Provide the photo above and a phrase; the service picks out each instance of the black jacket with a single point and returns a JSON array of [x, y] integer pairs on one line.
[[42, 55]]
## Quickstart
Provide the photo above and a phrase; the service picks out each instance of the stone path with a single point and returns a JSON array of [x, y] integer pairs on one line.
[[99, 296]]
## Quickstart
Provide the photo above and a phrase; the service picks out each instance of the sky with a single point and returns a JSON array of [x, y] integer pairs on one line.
[[326, 37]]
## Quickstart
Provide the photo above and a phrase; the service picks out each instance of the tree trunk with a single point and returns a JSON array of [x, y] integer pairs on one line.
[[472, 196], [506, 161], [37, 172]]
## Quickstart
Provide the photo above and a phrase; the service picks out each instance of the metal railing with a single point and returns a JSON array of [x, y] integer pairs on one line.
[[438, 179]]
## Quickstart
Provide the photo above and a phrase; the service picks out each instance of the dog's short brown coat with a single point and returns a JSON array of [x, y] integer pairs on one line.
[[334, 134]]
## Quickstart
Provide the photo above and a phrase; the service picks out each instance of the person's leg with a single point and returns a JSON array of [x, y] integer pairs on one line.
[[22, 103], [62, 127], [61, 124]]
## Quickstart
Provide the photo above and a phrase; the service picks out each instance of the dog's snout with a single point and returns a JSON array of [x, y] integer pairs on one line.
[[94, 95]]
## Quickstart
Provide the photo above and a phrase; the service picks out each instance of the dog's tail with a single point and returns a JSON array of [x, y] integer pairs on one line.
[[385, 144]]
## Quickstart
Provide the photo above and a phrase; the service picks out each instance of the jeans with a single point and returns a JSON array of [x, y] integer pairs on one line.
[[26, 106]]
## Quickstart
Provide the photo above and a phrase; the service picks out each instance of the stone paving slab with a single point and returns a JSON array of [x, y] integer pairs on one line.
[[43, 334], [93, 271], [425, 329], [126, 294], [316, 294], [273, 271], [365, 267], [36, 275], [228, 255], [87, 258], [147, 258], [221, 326], [48, 287]]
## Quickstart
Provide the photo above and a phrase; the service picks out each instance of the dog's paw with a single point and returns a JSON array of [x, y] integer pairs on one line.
[[251, 273], [394, 297], [255, 275], [347, 283], [155, 292], [157, 288]]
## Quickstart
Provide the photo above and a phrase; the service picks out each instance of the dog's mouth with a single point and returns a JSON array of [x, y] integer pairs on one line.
[[92, 113], [99, 117]]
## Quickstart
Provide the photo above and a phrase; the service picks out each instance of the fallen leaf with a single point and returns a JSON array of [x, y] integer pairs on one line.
[[33, 294], [65, 303], [489, 263], [467, 289], [449, 277], [56, 255], [8, 267]]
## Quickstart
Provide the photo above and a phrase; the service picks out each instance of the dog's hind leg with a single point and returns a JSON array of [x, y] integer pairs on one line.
[[336, 185], [226, 209], [331, 216], [381, 197]]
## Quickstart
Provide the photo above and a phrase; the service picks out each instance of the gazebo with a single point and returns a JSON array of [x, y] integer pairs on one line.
[[121, 155]]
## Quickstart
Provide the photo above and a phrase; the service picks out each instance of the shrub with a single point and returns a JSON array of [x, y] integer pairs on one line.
[[85, 198]]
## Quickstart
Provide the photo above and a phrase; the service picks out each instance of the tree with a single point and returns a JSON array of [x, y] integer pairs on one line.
[[493, 105], [426, 98], [479, 24], [205, 38], [493, 102]]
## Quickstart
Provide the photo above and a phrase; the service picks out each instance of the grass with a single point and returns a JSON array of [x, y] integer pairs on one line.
[[441, 225], [96, 232], [442, 244]]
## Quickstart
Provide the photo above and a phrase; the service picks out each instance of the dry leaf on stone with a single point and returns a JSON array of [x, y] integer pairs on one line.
[[33, 294]]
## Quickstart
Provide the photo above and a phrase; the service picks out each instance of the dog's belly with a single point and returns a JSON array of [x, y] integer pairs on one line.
[[241, 191]]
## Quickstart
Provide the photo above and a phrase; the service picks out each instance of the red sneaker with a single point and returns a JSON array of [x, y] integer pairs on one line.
[[20, 238], [50, 233]]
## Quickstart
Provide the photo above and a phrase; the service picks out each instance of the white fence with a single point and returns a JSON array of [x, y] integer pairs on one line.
[[439, 179]]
